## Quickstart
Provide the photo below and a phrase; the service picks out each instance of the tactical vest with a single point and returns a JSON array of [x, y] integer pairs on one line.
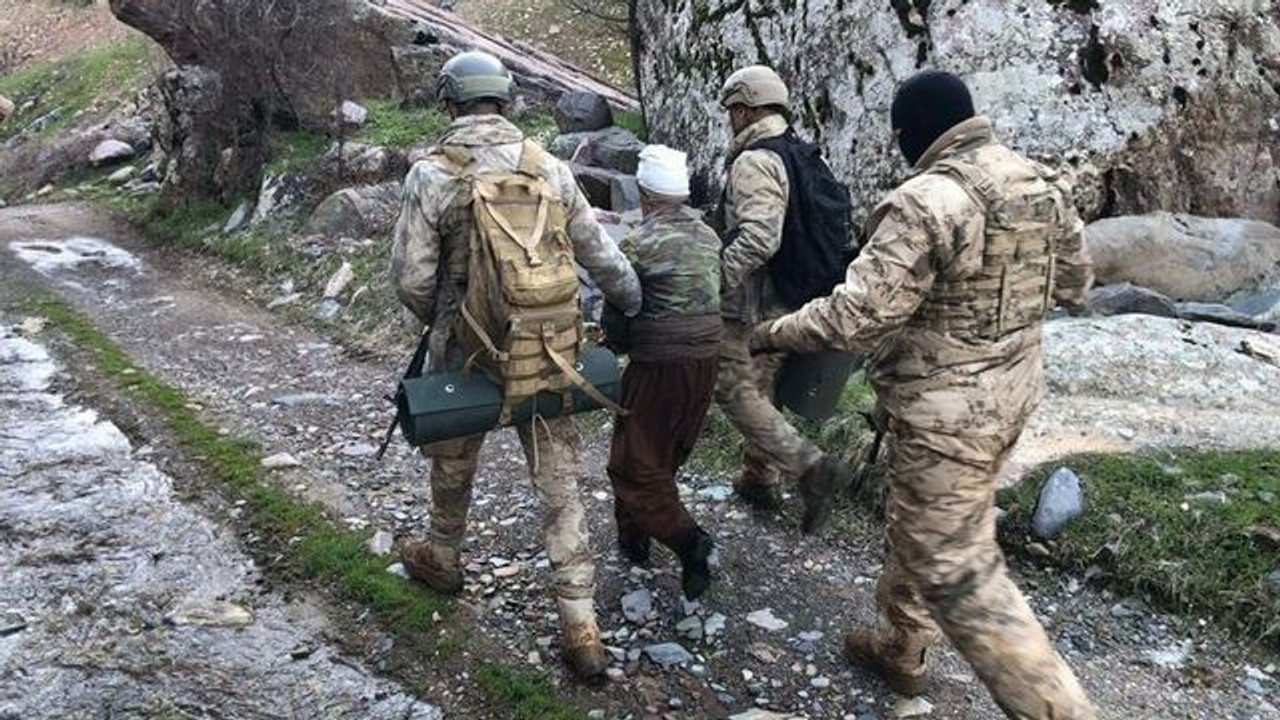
[[1013, 289]]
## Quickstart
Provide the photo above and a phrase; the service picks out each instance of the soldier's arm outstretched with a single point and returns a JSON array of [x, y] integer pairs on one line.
[[415, 255], [596, 251], [910, 239]]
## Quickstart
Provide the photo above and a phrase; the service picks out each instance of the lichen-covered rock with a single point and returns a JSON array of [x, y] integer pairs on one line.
[[358, 212], [1158, 104], [1134, 382]]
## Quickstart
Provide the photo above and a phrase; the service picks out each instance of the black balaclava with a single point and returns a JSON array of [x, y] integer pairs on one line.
[[927, 105]]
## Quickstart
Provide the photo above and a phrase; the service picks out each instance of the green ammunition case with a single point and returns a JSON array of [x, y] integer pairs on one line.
[[448, 405]]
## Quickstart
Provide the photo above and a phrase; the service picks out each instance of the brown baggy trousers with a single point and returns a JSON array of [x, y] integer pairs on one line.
[[668, 403]]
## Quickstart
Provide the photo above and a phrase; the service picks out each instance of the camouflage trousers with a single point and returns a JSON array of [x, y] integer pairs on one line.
[[552, 453], [945, 574], [745, 392]]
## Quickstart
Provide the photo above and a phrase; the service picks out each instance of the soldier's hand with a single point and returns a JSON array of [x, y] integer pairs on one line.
[[761, 340]]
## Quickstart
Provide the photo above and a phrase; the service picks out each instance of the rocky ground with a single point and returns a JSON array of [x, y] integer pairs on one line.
[[767, 636]]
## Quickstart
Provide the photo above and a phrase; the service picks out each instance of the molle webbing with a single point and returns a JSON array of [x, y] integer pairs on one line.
[[1013, 288]]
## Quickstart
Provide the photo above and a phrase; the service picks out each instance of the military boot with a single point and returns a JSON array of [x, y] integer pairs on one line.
[[436, 566], [818, 489], [583, 651], [760, 494], [863, 647], [694, 548]]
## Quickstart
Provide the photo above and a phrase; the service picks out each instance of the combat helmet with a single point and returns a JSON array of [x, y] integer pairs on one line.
[[755, 86], [475, 75]]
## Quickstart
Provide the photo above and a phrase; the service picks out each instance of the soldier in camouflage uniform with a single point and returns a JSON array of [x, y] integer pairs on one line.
[[950, 292], [429, 267], [674, 343], [753, 212]]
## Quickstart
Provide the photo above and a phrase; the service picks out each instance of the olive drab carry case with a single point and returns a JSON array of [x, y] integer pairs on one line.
[[447, 405], [810, 384]]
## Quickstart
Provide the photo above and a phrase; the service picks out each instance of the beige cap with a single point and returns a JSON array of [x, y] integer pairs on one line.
[[755, 86]]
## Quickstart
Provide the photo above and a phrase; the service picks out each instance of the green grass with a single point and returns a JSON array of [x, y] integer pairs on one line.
[[312, 544], [524, 695], [633, 121], [719, 450], [1142, 528], [96, 79], [391, 125], [540, 127], [295, 149]]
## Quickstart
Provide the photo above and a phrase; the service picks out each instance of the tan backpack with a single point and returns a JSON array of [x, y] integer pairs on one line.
[[521, 322]]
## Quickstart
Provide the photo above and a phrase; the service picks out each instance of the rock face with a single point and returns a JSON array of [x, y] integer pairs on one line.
[[1158, 104], [1134, 382], [1185, 257], [1128, 299]]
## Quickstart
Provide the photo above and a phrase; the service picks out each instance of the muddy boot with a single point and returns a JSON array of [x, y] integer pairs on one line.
[[862, 647], [759, 494], [583, 651], [635, 547], [694, 549], [437, 567], [818, 489]]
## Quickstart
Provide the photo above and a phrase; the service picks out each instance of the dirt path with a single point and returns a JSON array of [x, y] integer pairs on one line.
[[119, 600], [288, 386]]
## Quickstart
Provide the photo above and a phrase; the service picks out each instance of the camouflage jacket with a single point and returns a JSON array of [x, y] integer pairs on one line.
[[678, 260], [431, 252], [928, 233], [754, 209]]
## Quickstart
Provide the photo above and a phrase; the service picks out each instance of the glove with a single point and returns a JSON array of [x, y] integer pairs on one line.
[[760, 341]]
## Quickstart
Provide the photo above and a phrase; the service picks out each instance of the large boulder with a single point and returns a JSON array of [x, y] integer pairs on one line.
[[1157, 104], [6, 108], [1129, 383], [110, 151], [613, 148], [582, 111], [1185, 257], [357, 212]]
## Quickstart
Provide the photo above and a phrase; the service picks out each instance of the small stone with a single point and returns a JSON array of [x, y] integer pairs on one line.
[[615, 674], [715, 493], [821, 683], [596, 715], [764, 653], [211, 614], [1213, 497], [668, 654], [1169, 658], [352, 115], [534, 658], [714, 626], [339, 281], [109, 151], [239, 218], [381, 543], [637, 605], [306, 398], [46, 190], [690, 627], [912, 707], [358, 449], [398, 569], [1061, 501], [280, 461], [121, 176], [766, 620]]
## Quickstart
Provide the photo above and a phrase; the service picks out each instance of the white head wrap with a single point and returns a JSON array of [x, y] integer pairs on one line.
[[663, 171]]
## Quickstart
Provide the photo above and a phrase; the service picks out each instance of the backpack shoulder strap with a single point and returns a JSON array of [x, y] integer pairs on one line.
[[457, 157], [533, 160]]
